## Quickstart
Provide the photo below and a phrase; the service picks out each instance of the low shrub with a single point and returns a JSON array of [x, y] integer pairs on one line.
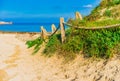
[[116, 2], [35, 43], [52, 45]]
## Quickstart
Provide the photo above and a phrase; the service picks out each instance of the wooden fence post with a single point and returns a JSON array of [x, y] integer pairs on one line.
[[62, 29], [44, 34], [78, 16], [53, 28]]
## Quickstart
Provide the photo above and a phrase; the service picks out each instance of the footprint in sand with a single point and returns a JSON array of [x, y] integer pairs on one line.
[[13, 57], [10, 64]]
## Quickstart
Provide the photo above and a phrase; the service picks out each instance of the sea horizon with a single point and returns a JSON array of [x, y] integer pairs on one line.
[[28, 24]]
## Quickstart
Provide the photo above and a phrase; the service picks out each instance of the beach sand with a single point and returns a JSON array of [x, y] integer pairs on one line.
[[17, 64]]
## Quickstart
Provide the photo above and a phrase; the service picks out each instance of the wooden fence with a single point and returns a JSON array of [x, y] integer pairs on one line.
[[45, 34]]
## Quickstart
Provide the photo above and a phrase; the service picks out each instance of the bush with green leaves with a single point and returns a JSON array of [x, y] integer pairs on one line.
[[116, 2], [99, 43], [52, 45], [93, 43], [36, 43]]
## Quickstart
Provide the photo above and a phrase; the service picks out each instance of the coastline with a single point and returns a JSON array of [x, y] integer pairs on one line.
[[9, 32], [4, 23]]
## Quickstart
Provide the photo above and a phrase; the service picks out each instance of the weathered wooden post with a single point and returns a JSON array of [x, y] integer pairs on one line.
[[62, 29], [78, 16], [44, 34], [53, 28]]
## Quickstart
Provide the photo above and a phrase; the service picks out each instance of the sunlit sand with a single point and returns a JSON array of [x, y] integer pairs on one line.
[[18, 64]]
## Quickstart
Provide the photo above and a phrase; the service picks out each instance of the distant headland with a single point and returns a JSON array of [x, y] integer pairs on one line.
[[2, 22]]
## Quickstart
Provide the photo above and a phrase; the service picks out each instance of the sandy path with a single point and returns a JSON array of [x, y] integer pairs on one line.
[[17, 64]]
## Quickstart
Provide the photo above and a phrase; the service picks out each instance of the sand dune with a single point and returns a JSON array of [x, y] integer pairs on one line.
[[17, 64]]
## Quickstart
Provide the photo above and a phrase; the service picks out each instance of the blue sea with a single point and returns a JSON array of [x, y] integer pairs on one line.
[[28, 24]]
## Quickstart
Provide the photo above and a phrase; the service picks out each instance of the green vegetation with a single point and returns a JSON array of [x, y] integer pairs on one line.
[[86, 23], [52, 45], [98, 43], [116, 2], [35, 43], [107, 13]]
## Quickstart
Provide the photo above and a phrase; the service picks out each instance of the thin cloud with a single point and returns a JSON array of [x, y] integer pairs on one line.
[[9, 14], [88, 6]]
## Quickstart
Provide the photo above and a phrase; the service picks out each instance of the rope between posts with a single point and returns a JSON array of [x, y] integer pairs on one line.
[[89, 28], [51, 34], [55, 31]]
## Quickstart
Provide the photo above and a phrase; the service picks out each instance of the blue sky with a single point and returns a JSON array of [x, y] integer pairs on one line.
[[45, 8]]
